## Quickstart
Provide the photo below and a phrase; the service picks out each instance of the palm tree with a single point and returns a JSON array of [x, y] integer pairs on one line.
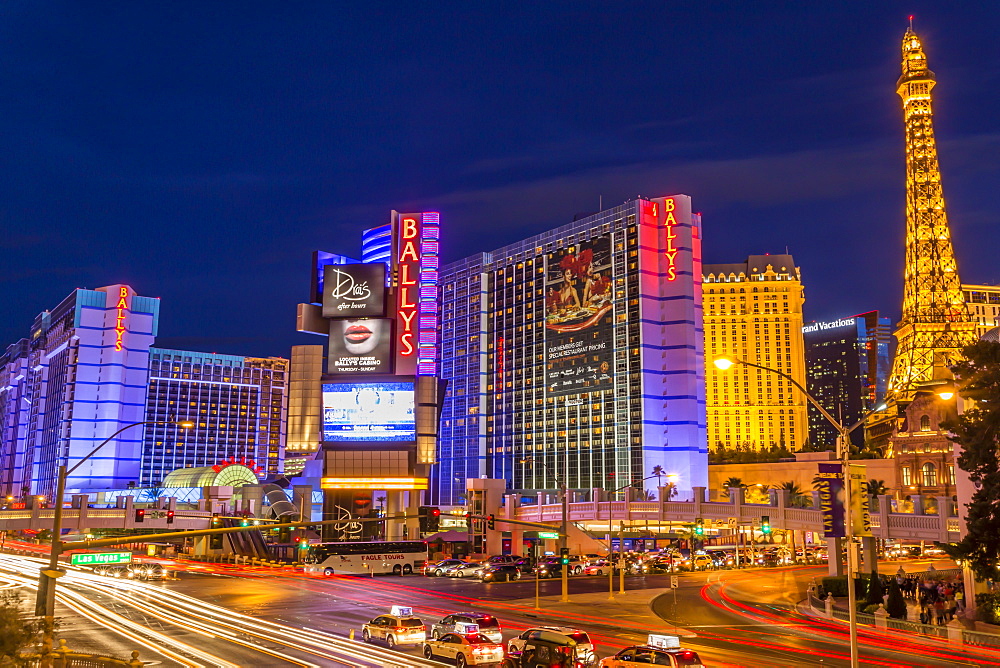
[[796, 496], [819, 482], [733, 482], [876, 488], [659, 473]]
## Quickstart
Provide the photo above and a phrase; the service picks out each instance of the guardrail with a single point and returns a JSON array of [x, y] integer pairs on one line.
[[62, 657]]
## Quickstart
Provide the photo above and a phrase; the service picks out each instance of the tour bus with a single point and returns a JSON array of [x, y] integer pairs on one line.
[[366, 558]]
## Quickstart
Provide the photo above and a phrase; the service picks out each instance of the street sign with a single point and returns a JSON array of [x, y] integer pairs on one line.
[[674, 583], [98, 558], [732, 521], [548, 535]]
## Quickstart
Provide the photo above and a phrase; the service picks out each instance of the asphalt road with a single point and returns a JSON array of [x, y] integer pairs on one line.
[[744, 618]]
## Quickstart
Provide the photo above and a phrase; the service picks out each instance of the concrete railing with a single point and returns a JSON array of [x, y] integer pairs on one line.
[[885, 524]]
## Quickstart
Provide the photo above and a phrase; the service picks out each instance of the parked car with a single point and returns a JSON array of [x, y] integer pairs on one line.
[[600, 568], [437, 568], [502, 559], [525, 564], [550, 569], [488, 625], [500, 573]]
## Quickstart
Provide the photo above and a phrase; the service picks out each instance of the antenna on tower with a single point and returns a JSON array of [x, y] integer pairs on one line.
[[600, 202], [911, 22]]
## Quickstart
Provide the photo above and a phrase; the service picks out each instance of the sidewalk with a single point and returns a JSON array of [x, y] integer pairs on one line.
[[629, 612]]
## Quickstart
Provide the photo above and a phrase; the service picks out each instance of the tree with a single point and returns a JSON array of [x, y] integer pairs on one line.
[[876, 592], [977, 431], [876, 488], [796, 497], [18, 631], [659, 473], [895, 605], [733, 482]]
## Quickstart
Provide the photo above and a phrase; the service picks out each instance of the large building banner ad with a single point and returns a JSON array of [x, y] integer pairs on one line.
[[579, 346]]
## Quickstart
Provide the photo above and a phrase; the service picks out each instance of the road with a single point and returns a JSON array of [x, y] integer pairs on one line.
[[257, 617]]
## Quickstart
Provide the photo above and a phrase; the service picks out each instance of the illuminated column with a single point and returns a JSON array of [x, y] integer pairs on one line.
[[394, 505]]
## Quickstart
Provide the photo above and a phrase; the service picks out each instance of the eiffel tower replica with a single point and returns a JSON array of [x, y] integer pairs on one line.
[[936, 323]]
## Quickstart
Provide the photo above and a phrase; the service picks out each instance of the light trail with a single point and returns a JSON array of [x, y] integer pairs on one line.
[[199, 616]]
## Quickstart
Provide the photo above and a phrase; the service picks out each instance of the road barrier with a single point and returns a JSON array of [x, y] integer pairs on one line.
[[62, 657]]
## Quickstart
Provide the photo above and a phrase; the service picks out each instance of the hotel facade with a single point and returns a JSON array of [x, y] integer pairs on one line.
[[574, 357]]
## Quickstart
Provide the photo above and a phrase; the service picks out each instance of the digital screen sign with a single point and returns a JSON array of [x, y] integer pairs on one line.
[[360, 346], [369, 411], [354, 290]]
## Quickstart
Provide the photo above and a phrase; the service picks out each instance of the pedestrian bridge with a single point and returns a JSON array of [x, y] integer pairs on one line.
[[735, 512]]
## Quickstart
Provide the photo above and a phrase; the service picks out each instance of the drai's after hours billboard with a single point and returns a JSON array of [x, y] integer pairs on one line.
[[354, 290]]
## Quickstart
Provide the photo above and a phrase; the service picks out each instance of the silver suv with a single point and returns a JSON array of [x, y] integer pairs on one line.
[[488, 625]]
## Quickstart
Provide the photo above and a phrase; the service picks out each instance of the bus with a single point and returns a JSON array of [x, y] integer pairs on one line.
[[402, 557]]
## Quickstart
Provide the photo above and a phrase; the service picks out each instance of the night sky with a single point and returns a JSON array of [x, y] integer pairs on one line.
[[200, 151]]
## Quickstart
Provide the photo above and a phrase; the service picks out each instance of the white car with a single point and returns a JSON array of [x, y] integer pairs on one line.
[[466, 570], [395, 630]]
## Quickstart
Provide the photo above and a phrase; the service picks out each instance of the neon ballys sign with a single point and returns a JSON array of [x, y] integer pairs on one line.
[[670, 252], [121, 308], [416, 265]]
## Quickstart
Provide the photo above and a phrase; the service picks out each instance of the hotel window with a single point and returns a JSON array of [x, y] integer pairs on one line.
[[929, 475], [925, 423], [951, 474]]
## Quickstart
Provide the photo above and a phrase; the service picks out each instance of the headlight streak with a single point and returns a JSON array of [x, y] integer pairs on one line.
[[141, 596], [104, 617]]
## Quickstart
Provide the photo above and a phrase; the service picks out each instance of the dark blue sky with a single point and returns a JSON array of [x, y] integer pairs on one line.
[[201, 151]]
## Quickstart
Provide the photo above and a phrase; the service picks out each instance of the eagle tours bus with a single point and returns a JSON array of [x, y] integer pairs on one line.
[[366, 558]]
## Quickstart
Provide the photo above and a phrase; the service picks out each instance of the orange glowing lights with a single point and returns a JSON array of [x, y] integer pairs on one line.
[[670, 252], [121, 307]]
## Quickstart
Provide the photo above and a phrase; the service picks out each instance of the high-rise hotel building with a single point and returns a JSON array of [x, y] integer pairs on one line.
[[238, 406], [575, 356], [848, 368], [87, 369], [753, 312], [984, 306]]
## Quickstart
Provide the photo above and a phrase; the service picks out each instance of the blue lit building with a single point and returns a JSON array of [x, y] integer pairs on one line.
[[87, 369], [847, 370], [577, 353], [78, 377]]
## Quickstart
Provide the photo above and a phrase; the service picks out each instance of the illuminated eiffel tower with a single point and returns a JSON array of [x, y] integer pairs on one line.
[[936, 323]]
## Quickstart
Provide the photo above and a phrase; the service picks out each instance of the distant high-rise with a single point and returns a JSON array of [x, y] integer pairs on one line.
[[753, 312], [847, 363], [984, 306], [935, 323]]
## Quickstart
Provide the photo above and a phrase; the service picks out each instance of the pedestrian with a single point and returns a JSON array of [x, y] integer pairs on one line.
[[939, 612], [960, 600]]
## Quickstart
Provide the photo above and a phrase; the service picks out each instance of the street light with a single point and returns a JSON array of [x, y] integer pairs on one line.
[[46, 597], [724, 363], [564, 530]]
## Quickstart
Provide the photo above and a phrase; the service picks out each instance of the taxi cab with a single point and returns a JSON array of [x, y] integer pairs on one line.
[[466, 647], [399, 627], [659, 650]]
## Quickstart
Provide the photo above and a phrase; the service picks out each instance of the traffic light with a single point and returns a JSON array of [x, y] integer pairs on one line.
[[245, 522], [216, 521], [140, 514], [765, 524], [303, 543], [429, 518], [564, 556], [491, 522], [170, 517], [699, 527]]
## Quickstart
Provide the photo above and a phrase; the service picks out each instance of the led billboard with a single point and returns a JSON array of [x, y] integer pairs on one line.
[[360, 346], [354, 290], [578, 327], [369, 411]]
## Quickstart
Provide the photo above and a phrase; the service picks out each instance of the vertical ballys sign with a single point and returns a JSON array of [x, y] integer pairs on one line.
[[121, 311], [415, 263]]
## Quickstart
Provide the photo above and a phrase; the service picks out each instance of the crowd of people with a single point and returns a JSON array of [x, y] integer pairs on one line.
[[938, 599]]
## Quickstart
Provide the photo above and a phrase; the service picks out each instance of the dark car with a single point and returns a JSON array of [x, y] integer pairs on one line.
[[437, 568], [525, 564], [502, 559], [550, 569], [500, 573]]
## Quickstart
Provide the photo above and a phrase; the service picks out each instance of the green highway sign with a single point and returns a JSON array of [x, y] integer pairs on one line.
[[547, 534], [97, 558]]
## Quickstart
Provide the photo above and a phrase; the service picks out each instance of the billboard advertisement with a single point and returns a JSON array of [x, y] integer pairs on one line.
[[369, 411], [354, 290], [578, 318], [358, 346]]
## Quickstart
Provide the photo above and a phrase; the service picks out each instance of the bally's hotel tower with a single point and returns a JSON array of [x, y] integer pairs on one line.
[[577, 354]]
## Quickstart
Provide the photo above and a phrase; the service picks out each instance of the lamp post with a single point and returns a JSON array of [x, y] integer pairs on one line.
[[564, 529], [724, 363], [46, 597], [621, 538]]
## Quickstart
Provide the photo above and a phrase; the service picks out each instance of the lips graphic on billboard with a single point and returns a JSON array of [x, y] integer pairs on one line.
[[354, 290], [360, 346]]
